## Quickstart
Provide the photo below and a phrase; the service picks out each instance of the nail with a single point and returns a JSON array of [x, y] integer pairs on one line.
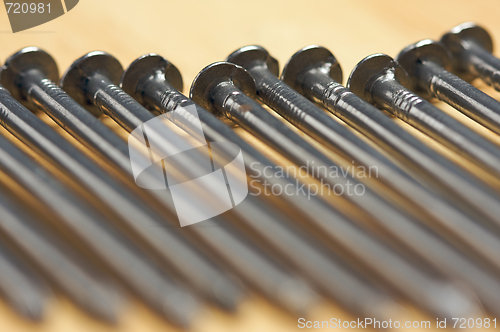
[[104, 86], [314, 72], [471, 47], [87, 286], [218, 88], [382, 81], [429, 64], [23, 289], [35, 70]]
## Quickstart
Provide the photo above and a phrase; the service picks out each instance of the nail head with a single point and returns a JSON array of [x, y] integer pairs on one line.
[[147, 66], [310, 57], [215, 74]]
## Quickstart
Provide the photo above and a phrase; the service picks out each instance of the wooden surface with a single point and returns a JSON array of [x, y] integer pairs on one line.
[[193, 34]]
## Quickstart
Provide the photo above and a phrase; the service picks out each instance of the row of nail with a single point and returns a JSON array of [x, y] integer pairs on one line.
[[437, 225]]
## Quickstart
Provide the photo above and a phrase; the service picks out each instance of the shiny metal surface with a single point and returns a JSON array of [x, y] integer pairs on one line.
[[382, 81], [129, 114], [150, 86], [241, 255], [153, 286], [39, 92], [69, 271], [313, 71], [429, 64], [308, 117], [227, 98], [25, 292]]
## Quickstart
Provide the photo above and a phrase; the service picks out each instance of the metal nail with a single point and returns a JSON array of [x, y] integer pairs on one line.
[[382, 81], [471, 47], [314, 72], [429, 64]]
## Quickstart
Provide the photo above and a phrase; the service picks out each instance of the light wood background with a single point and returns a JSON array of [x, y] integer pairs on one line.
[[193, 34]]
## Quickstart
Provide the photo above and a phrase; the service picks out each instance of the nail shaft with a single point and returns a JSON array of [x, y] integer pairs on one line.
[[85, 285], [24, 291], [484, 65]]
